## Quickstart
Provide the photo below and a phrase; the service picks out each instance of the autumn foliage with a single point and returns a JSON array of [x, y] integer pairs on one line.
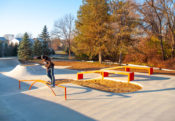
[[122, 30]]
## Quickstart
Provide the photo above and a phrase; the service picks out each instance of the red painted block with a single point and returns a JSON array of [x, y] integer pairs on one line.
[[151, 71], [79, 76], [65, 94], [127, 69], [106, 74], [131, 76]]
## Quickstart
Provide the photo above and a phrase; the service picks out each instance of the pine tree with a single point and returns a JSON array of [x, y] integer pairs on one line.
[[45, 36], [46, 50], [37, 48], [6, 50], [92, 28], [25, 48], [15, 50]]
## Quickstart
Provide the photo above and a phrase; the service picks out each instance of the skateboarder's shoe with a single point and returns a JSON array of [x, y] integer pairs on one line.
[[48, 82]]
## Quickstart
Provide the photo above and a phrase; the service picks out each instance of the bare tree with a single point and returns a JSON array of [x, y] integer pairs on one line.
[[168, 8], [63, 28], [124, 24], [153, 20], [55, 43]]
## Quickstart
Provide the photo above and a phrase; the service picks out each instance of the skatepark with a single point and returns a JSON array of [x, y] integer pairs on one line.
[[155, 102]]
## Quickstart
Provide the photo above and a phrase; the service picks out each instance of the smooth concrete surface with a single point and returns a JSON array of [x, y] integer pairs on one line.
[[155, 102]]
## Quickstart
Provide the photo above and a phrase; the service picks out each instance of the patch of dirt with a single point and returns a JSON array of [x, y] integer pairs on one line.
[[75, 65], [63, 81], [86, 66], [104, 85]]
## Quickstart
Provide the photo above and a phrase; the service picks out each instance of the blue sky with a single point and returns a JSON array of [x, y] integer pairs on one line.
[[19, 16]]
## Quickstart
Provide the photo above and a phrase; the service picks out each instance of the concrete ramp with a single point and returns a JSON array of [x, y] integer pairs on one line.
[[7, 64], [21, 70]]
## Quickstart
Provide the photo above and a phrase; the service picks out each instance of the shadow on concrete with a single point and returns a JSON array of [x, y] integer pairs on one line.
[[118, 94], [143, 77], [125, 95], [8, 63], [100, 98], [7, 69], [31, 108], [150, 78], [84, 90], [157, 90], [39, 70], [17, 106], [87, 90], [166, 73], [10, 85], [144, 91]]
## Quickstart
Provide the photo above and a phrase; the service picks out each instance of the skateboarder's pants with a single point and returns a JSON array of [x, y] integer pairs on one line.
[[50, 74]]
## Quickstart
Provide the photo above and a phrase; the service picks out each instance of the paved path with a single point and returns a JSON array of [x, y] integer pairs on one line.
[[155, 102]]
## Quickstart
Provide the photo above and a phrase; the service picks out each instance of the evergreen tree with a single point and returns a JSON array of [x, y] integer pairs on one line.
[[10, 49], [92, 28], [37, 48], [15, 50], [46, 50], [45, 36], [6, 50], [25, 48]]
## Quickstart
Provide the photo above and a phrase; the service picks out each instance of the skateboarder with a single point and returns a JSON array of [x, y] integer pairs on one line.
[[49, 68]]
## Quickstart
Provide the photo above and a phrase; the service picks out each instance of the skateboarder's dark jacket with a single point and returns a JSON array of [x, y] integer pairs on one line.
[[47, 63]]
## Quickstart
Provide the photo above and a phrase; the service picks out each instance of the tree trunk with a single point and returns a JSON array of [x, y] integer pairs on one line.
[[120, 58], [100, 57], [173, 47], [173, 51], [69, 49], [162, 48]]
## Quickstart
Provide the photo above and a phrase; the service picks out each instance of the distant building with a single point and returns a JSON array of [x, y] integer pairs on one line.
[[9, 37], [3, 39], [18, 40]]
